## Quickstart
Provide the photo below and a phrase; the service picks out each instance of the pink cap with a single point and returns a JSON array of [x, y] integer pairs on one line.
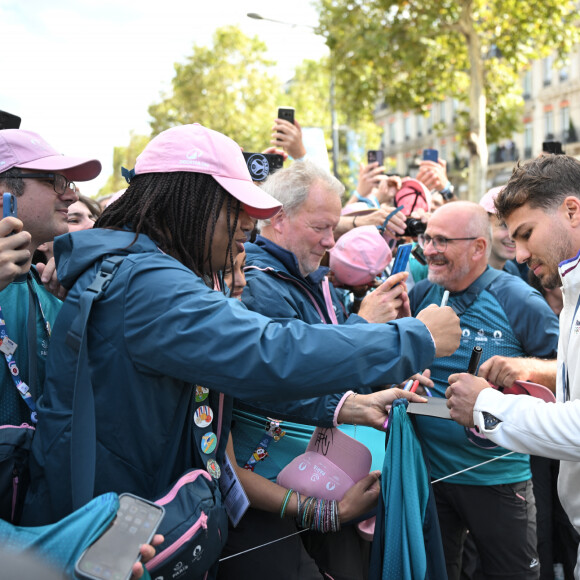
[[487, 200], [359, 256], [198, 149], [357, 208], [532, 389], [413, 195], [332, 464], [28, 150]]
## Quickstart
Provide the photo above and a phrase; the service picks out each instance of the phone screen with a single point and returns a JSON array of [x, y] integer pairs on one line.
[[112, 555], [9, 205], [402, 258]]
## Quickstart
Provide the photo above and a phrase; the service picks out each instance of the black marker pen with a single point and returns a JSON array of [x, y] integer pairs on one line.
[[474, 360]]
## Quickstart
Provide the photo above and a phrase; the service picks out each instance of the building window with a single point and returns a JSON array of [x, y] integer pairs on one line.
[[549, 125], [419, 125], [454, 109], [407, 127], [564, 71], [392, 133], [528, 140], [442, 112], [548, 64], [527, 88], [565, 124], [430, 122]]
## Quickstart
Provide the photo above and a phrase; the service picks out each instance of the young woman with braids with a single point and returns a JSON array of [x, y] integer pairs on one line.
[[162, 342]]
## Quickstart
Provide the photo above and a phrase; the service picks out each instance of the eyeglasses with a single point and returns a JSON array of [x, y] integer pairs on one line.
[[60, 183], [439, 242]]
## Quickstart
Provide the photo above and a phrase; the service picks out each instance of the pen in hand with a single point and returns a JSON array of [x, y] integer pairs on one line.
[[474, 360], [445, 298]]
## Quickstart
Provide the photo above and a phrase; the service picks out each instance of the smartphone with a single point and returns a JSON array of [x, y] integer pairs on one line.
[[9, 207], [9, 121], [286, 114], [430, 155], [112, 555], [260, 165], [417, 253], [375, 155], [402, 258]]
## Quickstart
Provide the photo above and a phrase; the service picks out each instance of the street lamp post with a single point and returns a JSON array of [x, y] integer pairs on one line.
[[334, 121]]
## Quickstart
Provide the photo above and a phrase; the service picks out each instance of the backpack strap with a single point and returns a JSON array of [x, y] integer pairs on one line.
[[463, 302], [460, 303], [83, 428]]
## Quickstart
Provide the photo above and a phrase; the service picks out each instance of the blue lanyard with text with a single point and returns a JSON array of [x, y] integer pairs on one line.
[[8, 348]]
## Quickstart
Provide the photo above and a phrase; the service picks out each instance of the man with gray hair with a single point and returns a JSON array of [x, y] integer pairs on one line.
[[501, 314], [285, 281]]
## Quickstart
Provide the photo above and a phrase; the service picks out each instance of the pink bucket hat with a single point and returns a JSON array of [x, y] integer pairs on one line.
[[332, 464], [359, 256], [198, 149], [487, 200], [413, 195], [28, 150]]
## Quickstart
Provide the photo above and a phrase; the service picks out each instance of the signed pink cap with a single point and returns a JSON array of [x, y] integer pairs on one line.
[[333, 463]]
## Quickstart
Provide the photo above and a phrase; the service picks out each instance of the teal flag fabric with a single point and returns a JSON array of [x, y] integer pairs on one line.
[[407, 541], [405, 491], [61, 544]]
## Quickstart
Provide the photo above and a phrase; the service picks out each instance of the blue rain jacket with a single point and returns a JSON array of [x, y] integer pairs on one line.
[[159, 330]]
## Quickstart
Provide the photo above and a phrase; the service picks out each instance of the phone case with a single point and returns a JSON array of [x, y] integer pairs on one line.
[[286, 113], [375, 155], [9, 206], [136, 519], [402, 258], [430, 155]]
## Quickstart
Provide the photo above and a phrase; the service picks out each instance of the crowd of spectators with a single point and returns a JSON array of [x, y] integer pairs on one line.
[[272, 307]]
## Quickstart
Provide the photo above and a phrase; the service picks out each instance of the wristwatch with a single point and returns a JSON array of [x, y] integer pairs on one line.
[[489, 421], [447, 191]]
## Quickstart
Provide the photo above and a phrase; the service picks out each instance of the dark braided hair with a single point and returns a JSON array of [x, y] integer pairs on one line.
[[178, 211]]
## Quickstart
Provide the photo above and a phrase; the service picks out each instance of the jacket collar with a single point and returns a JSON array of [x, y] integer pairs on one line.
[[290, 262]]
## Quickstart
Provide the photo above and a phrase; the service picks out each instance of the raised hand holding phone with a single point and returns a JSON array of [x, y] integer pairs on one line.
[[388, 302], [287, 133], [14, 243]]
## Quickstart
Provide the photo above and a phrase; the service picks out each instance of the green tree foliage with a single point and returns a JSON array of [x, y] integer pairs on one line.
[[412, 53], [309, 93], [227, 86]]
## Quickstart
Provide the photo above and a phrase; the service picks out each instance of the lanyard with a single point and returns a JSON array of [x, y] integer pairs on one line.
[[10, 347]]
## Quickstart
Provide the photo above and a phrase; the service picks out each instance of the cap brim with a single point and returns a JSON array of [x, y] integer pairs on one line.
[[73, 168], [357, 212], [257, 202], [532, 389]]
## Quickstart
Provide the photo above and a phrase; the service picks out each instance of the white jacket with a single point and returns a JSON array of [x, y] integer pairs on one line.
[[530, 425]]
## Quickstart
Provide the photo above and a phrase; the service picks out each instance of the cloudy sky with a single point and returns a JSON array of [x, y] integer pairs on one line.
[[82, 73]]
